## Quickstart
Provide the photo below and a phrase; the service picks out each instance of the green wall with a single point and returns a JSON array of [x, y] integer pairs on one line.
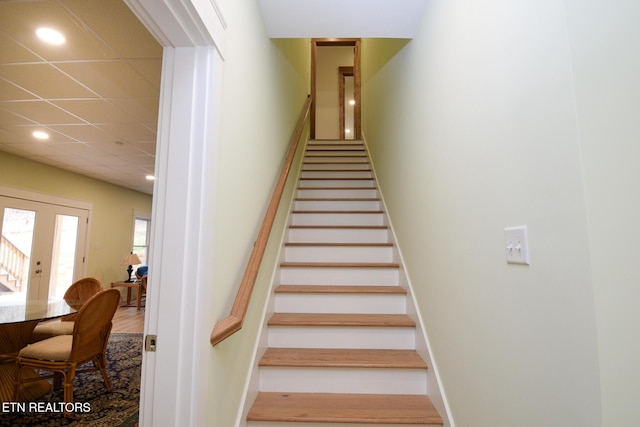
[[472, 128], [265, 84], [112, 216]]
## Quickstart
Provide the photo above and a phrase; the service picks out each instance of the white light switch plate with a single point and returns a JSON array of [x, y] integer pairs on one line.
[[517, 245]]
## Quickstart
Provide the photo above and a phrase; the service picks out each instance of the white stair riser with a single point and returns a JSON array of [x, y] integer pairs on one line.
[[338, 193], [338, 276], [338, 205], [337, 219], [343, 380], [335, 174], [317, 158], [338, 254], [341, 303], [370, 337], [338, 235], [337, 183], [334, 147], [324, 166], [358, 152]]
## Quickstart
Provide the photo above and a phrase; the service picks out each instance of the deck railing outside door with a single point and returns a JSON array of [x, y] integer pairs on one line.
[[13, 264]]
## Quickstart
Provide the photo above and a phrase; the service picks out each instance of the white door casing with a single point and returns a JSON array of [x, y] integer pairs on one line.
[[175, 377]]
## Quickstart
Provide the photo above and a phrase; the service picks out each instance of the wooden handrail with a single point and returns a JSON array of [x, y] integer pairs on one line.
[[233, 322]]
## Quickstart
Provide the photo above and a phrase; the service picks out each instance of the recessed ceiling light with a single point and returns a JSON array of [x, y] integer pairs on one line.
[[38, 134], [352, 102], [150, 177], [347, 131], [50, 36]]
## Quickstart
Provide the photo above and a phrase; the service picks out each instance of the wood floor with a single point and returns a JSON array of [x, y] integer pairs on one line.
[[128, 320]]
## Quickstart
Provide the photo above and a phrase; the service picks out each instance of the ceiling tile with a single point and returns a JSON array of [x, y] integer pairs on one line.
[[102, 86], [117, 26], [11, 52], [95, 111], [151, 69], [114, 162], [118, 148], [23, 135], [83, 132], [43, 112], [9, 118], [45, 81], [21, 19], [144, 110], [52, 160], [130, 132], [11, 92], [148, 147], [78, 150], [110, 79], [40, 148], [144, 162]]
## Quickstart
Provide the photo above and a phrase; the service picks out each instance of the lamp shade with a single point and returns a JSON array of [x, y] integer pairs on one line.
[[131, 259]]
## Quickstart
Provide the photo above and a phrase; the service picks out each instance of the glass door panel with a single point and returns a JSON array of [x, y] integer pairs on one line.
[[16, 243], [63, 259]]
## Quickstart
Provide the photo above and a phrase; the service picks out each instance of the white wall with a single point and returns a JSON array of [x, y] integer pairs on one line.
[[472, 127], [264, 87], [606, 62]]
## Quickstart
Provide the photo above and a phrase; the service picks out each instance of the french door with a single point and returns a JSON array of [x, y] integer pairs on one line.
[[42, 248]]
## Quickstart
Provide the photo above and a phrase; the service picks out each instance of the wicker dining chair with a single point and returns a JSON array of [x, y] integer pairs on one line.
[[77, 294], [63, 354]]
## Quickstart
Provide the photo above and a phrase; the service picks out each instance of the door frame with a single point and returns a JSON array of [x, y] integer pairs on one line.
[[175, 374], [356, 81], [342, 73]]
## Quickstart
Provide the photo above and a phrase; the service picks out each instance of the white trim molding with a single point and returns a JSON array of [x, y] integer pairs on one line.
[[182, 23], [175, 378]]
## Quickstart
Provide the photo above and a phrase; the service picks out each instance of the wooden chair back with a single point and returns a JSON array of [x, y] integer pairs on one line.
[[80, 292], [92, 325]]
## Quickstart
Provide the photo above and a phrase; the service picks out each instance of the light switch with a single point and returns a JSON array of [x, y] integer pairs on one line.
[[517, 245]]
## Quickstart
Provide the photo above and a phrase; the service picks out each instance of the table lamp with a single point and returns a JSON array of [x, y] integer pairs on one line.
[[131, 260]]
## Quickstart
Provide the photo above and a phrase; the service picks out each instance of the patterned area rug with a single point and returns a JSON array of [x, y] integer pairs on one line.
[[99, 408]]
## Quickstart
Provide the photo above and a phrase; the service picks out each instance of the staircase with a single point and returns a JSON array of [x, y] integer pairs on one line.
[[342, 349]]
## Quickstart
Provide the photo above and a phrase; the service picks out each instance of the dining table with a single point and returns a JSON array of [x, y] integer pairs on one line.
[[18, 318]]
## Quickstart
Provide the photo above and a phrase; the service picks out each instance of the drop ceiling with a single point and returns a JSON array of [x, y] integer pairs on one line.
[[96, 95]]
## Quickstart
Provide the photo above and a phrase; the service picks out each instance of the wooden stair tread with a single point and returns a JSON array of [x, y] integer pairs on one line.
[[334, 141], [337, 188], [331, 150], [340, 264], [337, 199], [342, 358], [335, 170], [340, 319], [344, 408], [335, 153], [338, 212], [335, 178], [340, 289], [361, 162], [326, 244]]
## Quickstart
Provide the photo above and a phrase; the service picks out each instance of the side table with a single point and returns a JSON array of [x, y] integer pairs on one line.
[[129, 285]]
